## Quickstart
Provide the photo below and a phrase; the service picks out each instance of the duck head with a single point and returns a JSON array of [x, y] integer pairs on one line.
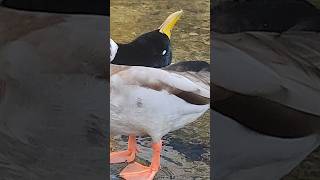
[[151, 49]]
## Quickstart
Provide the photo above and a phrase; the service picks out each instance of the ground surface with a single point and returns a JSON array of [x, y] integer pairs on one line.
[[186, 152]]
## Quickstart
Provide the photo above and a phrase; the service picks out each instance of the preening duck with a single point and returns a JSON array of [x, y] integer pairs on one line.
[[150, 101], [266, 92], [151, 49]]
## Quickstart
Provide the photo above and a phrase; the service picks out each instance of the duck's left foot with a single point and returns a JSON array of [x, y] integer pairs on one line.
[[136, 171]]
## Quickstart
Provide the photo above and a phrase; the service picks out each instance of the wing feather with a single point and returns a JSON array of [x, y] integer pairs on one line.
[[174, 83]]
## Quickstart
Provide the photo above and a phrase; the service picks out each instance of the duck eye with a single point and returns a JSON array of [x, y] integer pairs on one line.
[[164, 52]]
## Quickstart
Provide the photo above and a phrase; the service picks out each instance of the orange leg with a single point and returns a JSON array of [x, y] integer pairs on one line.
[[127, 155], [136, 171]]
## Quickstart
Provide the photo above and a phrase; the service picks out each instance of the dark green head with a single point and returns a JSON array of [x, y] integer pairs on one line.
[[151, 49]]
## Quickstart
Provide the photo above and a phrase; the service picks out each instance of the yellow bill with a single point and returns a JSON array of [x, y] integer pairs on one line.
[[169, 23]]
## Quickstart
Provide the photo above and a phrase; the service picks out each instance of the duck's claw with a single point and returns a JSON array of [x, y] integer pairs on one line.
[[136, 171]]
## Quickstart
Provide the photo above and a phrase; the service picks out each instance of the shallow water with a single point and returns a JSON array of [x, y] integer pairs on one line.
[[186, 152]]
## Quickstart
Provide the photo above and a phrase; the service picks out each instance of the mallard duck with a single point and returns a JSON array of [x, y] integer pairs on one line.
[[151, 49], [266, 111], [150, 101]]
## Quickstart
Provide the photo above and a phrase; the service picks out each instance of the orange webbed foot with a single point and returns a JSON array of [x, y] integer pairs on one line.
[[127, 155], [136, 171]]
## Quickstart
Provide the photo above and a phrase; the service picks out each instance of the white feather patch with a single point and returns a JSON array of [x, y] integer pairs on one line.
[[113, 49]]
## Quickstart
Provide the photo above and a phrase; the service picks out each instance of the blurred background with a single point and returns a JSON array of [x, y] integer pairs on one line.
[[240, 13]]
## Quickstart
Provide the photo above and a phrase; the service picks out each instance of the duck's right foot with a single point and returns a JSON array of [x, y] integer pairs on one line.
[[127, 155]]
